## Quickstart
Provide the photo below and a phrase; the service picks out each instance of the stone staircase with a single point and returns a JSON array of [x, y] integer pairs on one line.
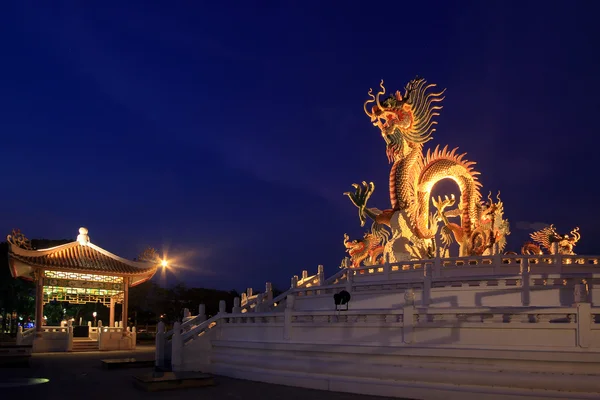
[[81, 345]]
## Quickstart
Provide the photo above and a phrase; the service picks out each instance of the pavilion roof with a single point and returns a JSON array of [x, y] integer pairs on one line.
[[80, 256]]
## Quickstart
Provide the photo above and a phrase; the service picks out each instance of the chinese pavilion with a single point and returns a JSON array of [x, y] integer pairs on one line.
[[77, 272]]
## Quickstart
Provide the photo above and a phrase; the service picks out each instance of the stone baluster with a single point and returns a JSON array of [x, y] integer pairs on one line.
[[584, 314], [249, 292], [70, 330], [19, 335], [177, 348], [294, 282], [349, 279], [427, 272], [201, 313], [159, 355], [321, 275], [287, 317], [525, 281], [557, 257], [269, 291], [304, 275], [408, 317], [223, 306], [259, 300], [133, 337], [437, 264], [236, 306]]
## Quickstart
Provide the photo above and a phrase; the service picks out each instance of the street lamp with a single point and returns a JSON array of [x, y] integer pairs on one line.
[[164, 263], [95, 314]]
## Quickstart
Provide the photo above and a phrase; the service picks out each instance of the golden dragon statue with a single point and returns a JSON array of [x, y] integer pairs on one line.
[[368, 250], [406, 123], [546, 237]]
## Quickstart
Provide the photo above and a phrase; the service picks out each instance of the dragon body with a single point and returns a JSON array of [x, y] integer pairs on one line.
[[545, 238], [406, 123]]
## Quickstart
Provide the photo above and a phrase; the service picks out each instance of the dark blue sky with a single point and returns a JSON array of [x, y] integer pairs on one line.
[[228, 134]]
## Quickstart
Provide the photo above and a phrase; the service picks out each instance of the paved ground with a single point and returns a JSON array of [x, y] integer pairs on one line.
[[71, 375]]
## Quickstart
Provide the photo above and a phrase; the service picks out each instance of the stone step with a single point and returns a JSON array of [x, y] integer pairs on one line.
[[172, 380], [85, 345]]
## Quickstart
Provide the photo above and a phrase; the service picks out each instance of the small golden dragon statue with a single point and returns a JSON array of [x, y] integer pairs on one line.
[[368, 250], [544, 238], [406, 123]]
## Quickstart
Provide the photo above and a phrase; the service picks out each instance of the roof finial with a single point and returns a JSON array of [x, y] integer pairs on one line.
[[83, 237]]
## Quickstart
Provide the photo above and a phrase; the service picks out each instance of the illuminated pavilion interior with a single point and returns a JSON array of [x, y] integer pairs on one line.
[[77, 272]]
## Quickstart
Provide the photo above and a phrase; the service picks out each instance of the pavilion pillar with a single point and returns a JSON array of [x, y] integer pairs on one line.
[[126, 281], [39, 300], [111, 319]]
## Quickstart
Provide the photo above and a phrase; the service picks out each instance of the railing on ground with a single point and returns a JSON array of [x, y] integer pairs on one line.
[[416, 324], [25, 336], [494, 270]]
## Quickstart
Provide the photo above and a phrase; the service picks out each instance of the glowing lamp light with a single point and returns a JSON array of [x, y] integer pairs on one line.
[[94, 314], [164, 263]]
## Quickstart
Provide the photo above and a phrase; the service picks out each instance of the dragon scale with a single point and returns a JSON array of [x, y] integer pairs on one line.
[[441, 165]]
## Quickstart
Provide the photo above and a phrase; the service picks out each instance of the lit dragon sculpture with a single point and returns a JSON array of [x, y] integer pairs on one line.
[[406, 123], [546, 237], [368, 250]]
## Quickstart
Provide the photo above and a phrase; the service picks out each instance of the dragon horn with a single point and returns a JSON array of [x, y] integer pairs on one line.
[[575, 234], [379, 94], [369, 101]]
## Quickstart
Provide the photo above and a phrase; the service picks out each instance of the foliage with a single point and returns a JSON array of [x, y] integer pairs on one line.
[[148, 301], [18, 295]]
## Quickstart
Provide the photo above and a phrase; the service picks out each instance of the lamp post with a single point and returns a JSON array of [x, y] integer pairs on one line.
[[95, 314]]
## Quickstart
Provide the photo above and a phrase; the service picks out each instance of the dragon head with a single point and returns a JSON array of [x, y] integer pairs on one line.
[[405, 120]]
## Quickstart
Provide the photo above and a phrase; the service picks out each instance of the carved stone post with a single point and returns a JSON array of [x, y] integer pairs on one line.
[[287, 317], [408, 317], [321, 275], [557, 257], [437, 264], [259, 300], [19, 335], [159, 356], [584, 315], [70, 331], [349, 279], [525, 288], [236, 306], [427, 272], [222, 307], [269, 291], [177, 349], [201, 312], [294, 281]]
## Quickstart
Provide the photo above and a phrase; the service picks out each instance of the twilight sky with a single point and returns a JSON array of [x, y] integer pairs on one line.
[[228, 133]]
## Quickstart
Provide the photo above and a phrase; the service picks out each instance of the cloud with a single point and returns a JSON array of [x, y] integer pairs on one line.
[[531, 226]]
